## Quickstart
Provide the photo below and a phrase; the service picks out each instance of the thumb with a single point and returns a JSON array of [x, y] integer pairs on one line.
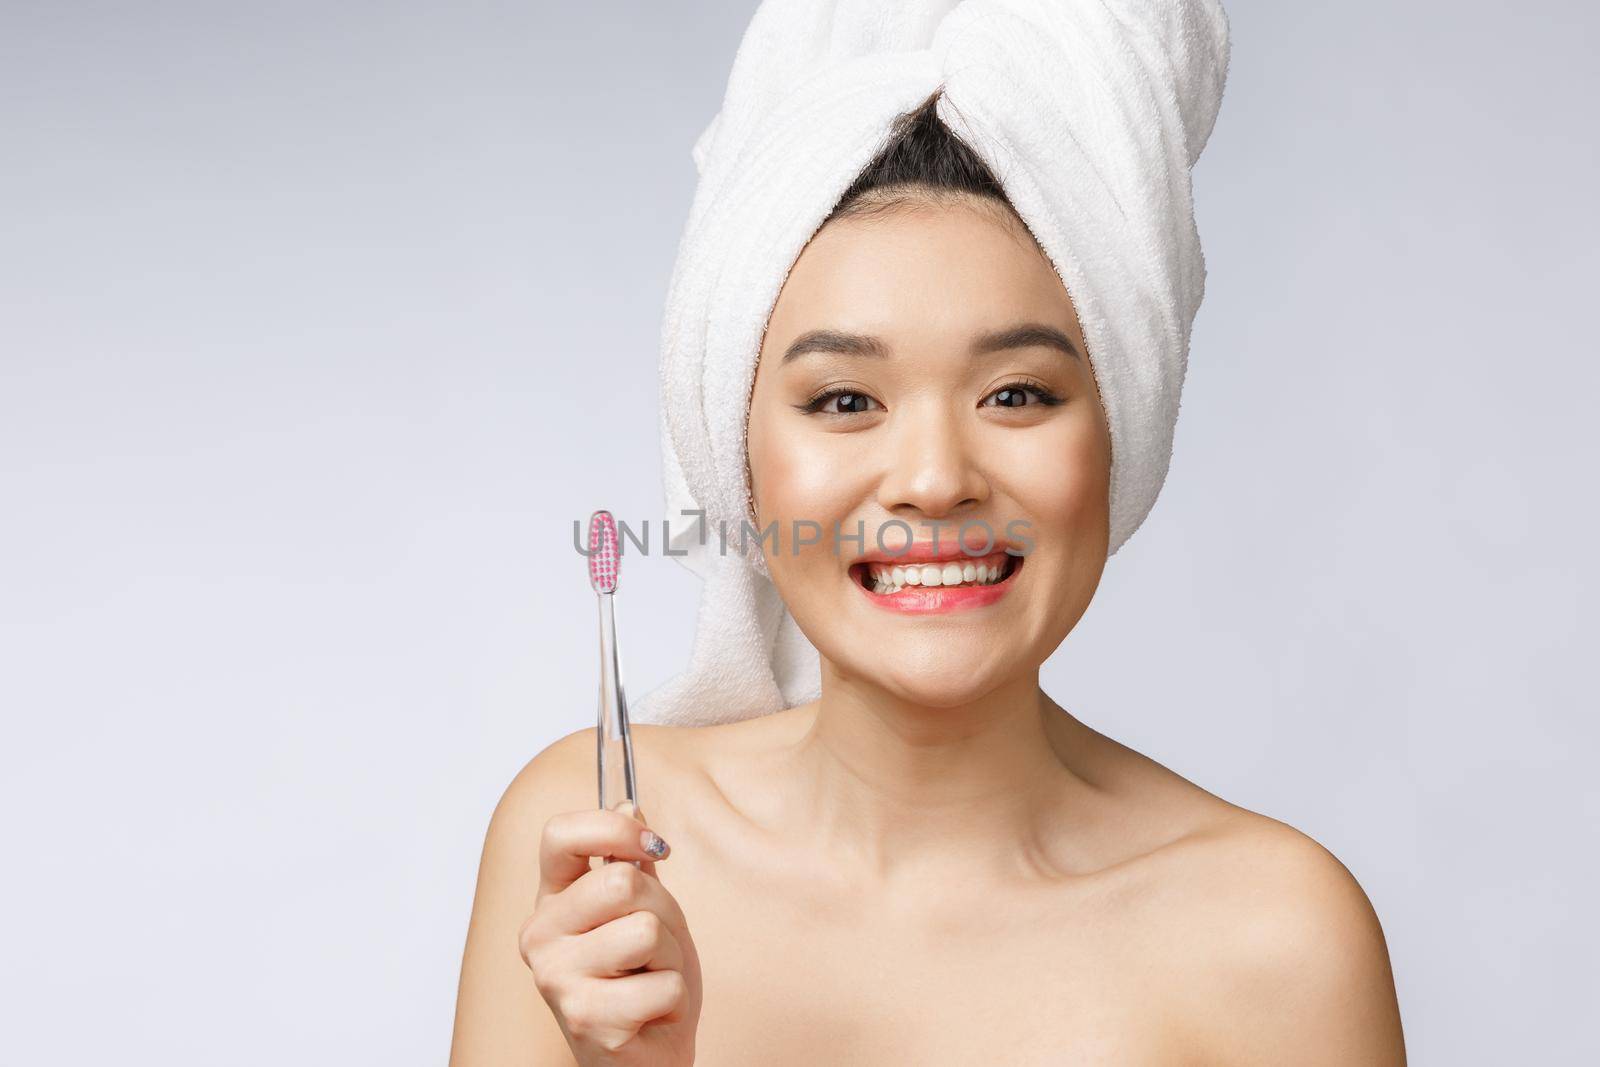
[[629, 807]]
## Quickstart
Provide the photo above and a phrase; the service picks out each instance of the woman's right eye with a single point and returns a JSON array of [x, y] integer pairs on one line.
[[852, 402]]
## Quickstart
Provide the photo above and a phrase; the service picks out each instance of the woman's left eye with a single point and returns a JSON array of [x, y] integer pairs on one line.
[[1014, 395]]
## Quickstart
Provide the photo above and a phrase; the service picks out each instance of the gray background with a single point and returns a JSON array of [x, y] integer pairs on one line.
[[322, 322]]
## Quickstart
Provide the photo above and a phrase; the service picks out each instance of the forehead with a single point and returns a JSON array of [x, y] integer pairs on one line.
[[924, 268]]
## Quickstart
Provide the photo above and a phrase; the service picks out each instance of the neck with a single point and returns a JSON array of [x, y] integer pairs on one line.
[[900, 789]]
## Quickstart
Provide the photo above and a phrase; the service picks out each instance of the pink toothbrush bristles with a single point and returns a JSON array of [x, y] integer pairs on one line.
[[604, 552]]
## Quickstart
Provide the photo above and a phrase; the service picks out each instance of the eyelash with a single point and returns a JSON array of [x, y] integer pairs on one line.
[[813, 406]]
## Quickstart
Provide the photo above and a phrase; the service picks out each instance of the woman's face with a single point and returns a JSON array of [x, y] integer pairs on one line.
[[886, 390]]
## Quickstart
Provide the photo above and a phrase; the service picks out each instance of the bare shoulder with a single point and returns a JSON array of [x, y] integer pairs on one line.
[[1268, 948], [500, 1015], [561, 777], [1279, 953], [564, 775]]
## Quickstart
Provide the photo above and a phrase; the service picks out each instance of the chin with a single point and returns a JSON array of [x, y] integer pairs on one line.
[[943, 681]]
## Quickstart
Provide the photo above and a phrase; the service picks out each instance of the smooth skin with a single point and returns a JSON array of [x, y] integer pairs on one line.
[[934, 863]]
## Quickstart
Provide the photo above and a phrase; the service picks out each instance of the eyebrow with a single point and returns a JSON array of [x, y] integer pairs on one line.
[[1027, 335]]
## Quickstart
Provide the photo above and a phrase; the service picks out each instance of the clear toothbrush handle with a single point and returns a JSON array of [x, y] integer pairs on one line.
[[614, 742]]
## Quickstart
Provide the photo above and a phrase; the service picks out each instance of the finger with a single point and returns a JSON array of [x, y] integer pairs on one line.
[[654, 845], [571, 838], [598, 1008], [607, 893], [638, 941], [615, 920]]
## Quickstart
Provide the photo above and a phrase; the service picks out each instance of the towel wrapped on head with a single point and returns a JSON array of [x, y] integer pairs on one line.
[[1090, 113]]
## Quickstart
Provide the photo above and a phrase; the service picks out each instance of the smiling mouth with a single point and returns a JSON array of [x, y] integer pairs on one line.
[[889, 578]]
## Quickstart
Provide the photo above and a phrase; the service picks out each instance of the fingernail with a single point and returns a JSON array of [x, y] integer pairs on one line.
[[652, 843]]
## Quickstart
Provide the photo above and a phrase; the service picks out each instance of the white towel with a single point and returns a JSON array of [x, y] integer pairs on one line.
[[1089, 112]]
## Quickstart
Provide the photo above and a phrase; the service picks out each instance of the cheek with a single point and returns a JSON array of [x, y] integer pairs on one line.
[[1063, 480], [801, 490], [801, 475], [800, 484]]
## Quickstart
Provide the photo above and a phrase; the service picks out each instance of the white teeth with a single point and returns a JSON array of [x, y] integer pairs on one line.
[[886, 579]]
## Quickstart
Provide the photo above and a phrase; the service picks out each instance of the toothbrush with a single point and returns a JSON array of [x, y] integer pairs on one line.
[[613, 742]]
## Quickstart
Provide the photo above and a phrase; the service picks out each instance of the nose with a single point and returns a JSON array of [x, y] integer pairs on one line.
[[931, 470]]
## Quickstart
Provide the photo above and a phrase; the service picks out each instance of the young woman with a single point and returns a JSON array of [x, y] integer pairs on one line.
[[933, 863]]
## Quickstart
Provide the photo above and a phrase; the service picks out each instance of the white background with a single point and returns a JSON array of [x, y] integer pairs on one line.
[[321, 323]]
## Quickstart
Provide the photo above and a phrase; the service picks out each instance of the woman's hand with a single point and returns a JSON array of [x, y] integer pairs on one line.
[[609, 948]]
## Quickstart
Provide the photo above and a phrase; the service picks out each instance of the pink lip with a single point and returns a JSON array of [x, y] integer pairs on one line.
[[938, 600]]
